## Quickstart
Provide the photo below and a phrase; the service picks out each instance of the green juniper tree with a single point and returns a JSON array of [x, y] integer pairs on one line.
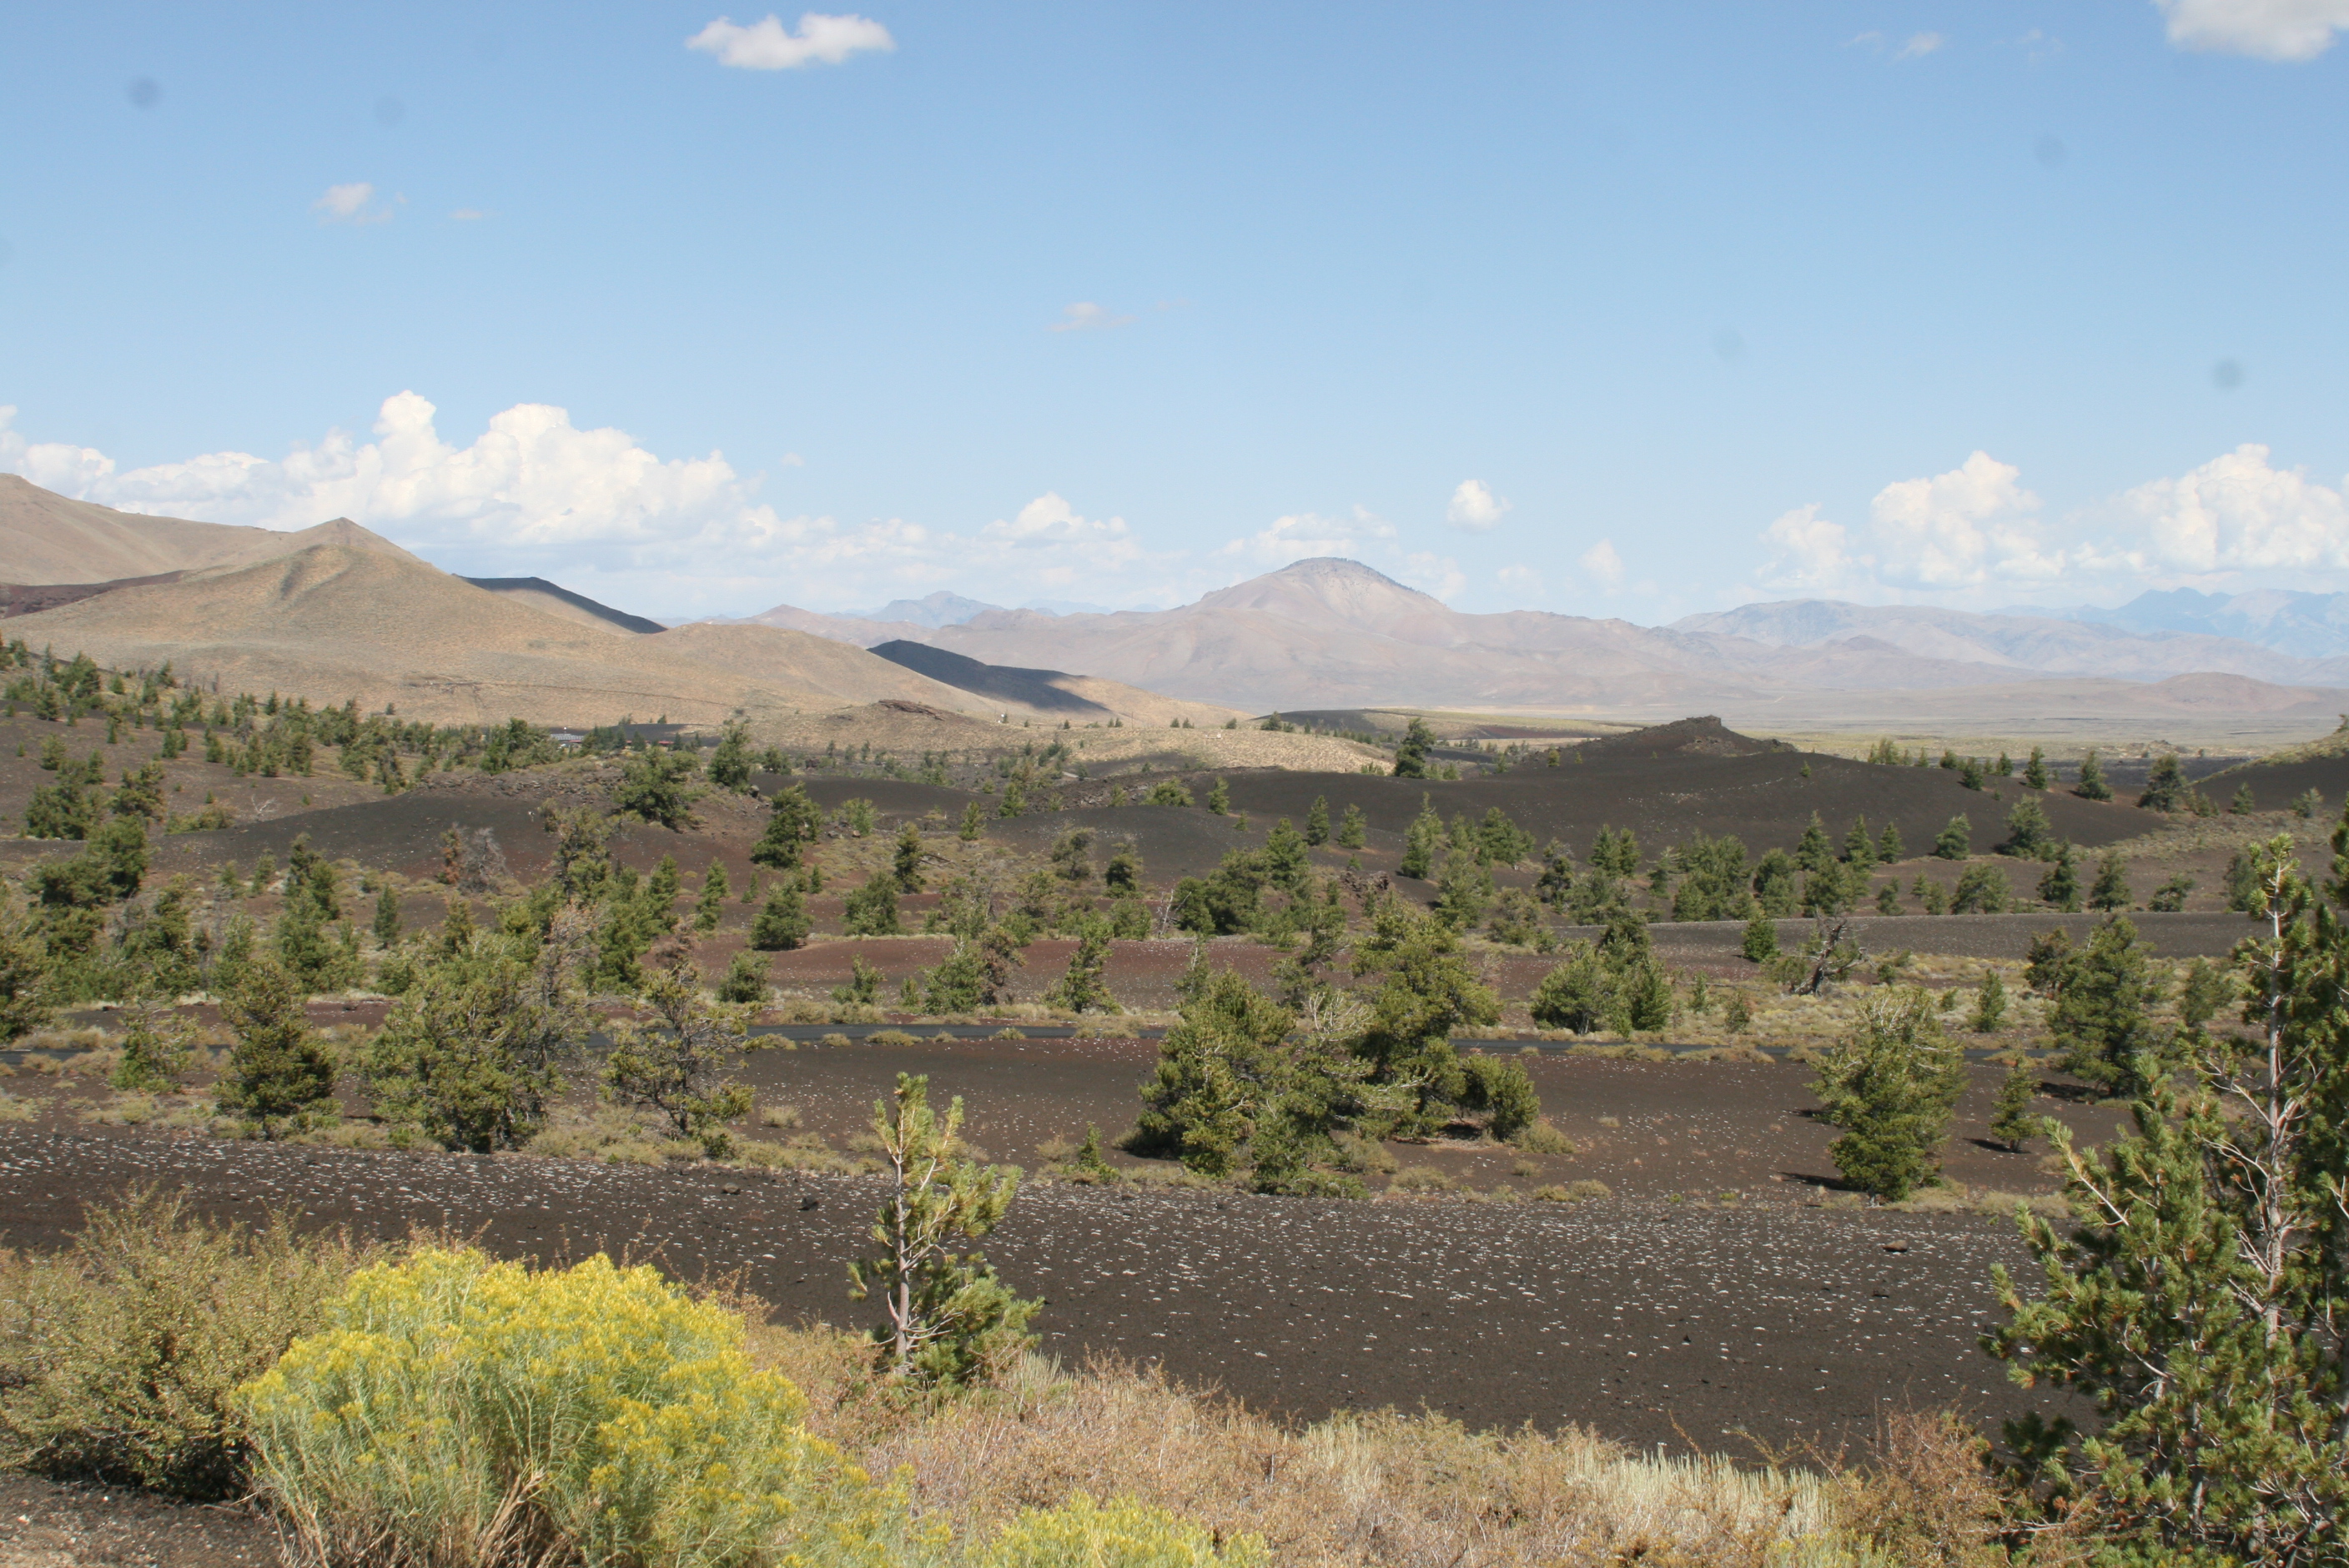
[[1891, 1086], [947, 1318], [2195, 1297]]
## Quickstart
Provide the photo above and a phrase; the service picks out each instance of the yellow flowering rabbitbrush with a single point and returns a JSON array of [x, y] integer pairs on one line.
[[464, 1410]]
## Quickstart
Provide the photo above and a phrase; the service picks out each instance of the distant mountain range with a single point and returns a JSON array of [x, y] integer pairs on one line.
[[2305, 625], [336, 610], [1335, 633]]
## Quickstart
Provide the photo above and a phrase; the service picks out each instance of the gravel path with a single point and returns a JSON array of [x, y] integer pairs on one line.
[[1651, 1322]]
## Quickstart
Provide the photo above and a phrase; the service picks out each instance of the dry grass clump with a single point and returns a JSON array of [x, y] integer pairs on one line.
[[1357, 1488], [21, 1108], [1420, 1178], [1573, 1192], [612, 1136], [1542, 1138]]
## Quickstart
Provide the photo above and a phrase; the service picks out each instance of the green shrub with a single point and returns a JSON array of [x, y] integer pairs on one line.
[[121, 1357], [1122, 1533], [462, 1410]]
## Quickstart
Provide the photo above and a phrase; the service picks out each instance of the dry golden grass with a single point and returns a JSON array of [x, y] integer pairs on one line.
[[1383, 1487]]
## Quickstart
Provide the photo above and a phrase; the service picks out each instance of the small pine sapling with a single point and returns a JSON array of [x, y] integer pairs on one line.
[[387, 916], [1761, 941], [1955, 842], [1736, 1014], [972, 821], [1351, 828], [1990, 1003], [678, 1064], [906, 861], [158, 1046], [1892, 1085], [783, 925], [2112, 889], [947, 1318], [745, 980], [2014, 1122], [280, 1074]]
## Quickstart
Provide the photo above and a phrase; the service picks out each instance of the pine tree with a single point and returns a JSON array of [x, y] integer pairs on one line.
[[2165, 787], [2035, 772], [710, 908], [1411, 755], [872, 910], [2242, 805], [2102, 1019], [1760, 943], [1990, 1003], [1419, 841], [2194, 1299], [280, 1074], [1888, 847], [387, 916], [1955, 842], [1892, 1085], [1219, 798], [1351, 829], [1813, 854], [906, 861], [1859, 845], [947, 1318], [1084, 988], [1317, 821], [678, 1064], [24, 974], [783, 924], [2012, 1122], [158, 1047], [971, 821], [2112, 889], [792, 822], [2028, 835], [744, 984], [2059, 888], [2092, 785]]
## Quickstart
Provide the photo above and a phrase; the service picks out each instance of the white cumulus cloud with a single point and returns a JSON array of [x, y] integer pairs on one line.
[[536, 495], [1976, 530], [349, 205], [1602, 561], [2237, 514], [2280, 30], [769, 46], [1475, 508]]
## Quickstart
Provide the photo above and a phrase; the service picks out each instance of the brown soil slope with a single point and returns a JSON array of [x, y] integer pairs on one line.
[[48, 537], [335, 621]]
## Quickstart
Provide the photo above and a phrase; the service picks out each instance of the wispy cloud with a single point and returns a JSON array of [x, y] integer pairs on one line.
[[769, 46], [2281, 30], [351, 203], [1918, 46], [470, 214], [1086, 316], [1603, 562]]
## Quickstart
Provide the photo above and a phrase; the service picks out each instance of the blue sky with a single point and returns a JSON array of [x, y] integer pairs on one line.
[[1614, 310]]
